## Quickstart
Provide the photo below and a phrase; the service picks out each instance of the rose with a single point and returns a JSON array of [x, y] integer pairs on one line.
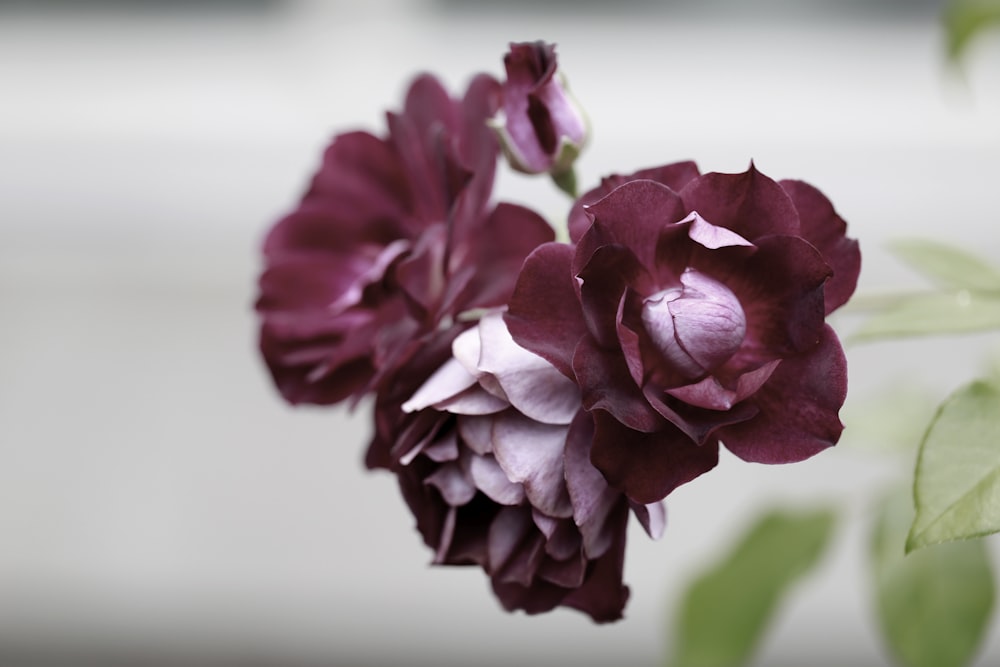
[[394, 239], [496, 471], [544, 129], [691, 312]]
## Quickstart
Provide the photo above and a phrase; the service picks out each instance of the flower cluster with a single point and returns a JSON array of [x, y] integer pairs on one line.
[[530, 395]]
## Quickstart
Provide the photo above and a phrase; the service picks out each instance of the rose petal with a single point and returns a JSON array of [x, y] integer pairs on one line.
[[455, 487], [447, 382], [477, 433], [532, 453], [632, 215], [652, 517], [544, 313], [607, 384], [531, 384], [647, 466], [750, 204], [593, 500], [602, 595], [490, 478], [798, 408], [826, 230], [675, 176]]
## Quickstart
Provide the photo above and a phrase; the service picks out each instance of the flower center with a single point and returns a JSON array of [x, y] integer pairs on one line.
[[697, 326]]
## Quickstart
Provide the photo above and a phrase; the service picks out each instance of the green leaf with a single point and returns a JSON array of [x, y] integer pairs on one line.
[[965, 19], [892, 419], [727, 609], [933, 605], [933, 313], [947, 265], [956, 489]]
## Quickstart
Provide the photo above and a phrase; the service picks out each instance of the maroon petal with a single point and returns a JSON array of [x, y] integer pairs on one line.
[[781, 290], [609, 272], [632, 215], [544, 314], [360, 186], [500, 247], [602, 595], [607, 384], [675, 176], [652, 517], [648, 466], [798, 408], [826, 230], [568, 573], [750, 204]]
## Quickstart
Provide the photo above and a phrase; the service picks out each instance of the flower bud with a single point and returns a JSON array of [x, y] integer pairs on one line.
[[543, 129]]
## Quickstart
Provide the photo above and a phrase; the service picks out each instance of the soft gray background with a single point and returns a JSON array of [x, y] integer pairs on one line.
[[158, 502]]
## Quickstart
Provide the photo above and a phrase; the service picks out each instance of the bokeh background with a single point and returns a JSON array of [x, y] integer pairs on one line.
[[160, 505]]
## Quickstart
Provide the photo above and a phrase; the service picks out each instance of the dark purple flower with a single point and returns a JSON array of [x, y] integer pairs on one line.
[[691, 311], [544, 129], [496, 470], [393, 240]]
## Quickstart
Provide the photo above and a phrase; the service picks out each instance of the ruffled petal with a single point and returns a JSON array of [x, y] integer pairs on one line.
[[826, 230], [798, 408], [544, 314], [648, 466]]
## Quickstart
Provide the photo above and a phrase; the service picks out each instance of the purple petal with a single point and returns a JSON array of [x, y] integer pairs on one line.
[[781, 290], [652, 517], [497, 252], [798, 408], [633, 216], [750, 204], [568, 572], [514, 552], [648, 466], [531, 384], [455, 487], [602, 595], [607, 275], [593, 500], [607, 384], [675, 176], [544, 314], [826, 230]]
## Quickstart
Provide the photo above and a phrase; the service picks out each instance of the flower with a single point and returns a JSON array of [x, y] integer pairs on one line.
[[690, 311], [544, 129], [393, 240], [496, 471]]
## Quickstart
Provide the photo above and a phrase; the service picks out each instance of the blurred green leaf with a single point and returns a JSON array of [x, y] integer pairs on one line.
[[965, 19], [892, 419], [933, 605], [947, 265], [933, 313], [957, 484], [727, 609]]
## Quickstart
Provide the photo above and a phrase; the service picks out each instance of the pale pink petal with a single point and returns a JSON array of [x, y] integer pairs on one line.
[[532, 454], [490, 478], [446, 382], [531, 384]]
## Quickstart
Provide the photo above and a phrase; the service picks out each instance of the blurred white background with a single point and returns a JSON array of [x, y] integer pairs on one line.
[[160, 504]]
